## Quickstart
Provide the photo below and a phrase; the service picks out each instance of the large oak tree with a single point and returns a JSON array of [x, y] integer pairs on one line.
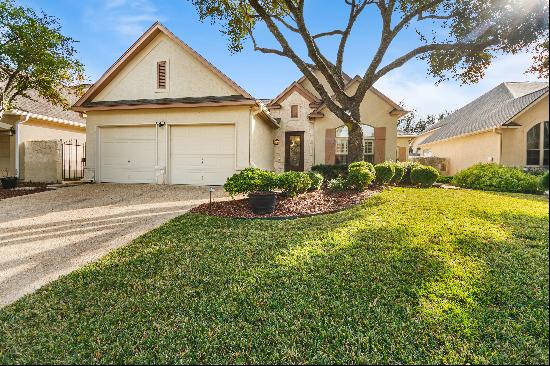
[[456, 38], [35, 55]]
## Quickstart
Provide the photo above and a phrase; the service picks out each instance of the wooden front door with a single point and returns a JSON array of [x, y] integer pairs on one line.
[[294, 151]]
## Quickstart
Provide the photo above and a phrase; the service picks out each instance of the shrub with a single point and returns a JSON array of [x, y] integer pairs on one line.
[[360, 175], [408, 166], [384, 172], [424, 176], [399, 171], [544, 182], [495, 177], [445, 179], [337, 184], [250, 180], [316, 181], [331, 171], [293, 183]]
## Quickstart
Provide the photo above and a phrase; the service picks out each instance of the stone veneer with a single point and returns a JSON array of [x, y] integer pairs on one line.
[[301, 123]]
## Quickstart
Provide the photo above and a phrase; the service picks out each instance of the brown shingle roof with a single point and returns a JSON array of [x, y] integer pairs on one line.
[[38, 105]]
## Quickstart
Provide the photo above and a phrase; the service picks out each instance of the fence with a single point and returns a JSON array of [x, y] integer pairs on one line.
[[73, 156]]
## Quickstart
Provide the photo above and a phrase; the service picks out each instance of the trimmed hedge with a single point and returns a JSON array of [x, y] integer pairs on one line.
[[360, 175], [250, 180], [544, 182], [495, 177], [445, 179], [337, 184], [399, 171], [294, 183], [408, 166], [316, 181], [424, 176], [331, 171], [384, 172]]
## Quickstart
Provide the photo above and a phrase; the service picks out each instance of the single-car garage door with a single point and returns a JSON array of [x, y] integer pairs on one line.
[[127, 154], [202, 154]]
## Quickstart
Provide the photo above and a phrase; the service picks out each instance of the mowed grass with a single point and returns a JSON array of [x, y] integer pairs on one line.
[[411, 276]]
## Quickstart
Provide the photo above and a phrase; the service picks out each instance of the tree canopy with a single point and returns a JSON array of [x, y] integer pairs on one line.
[[458, 39], [34, 55]]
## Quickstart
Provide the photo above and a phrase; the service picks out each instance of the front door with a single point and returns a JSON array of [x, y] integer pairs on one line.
[[294, 151]]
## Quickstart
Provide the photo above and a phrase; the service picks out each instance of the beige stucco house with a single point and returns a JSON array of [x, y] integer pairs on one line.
[[32, 136], [507, 125], [163, 114]]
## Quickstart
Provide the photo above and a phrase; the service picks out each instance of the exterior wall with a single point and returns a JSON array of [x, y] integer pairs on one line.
[[302, 123], [402, 144], [514, 140], [4, 155], [415, 144], [374, 111], [41, 161], [261, 144], [186, 76], [463, 152], [239, 116]]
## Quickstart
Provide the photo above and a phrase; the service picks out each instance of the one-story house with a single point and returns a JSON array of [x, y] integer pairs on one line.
[[507, 125], [164, 114], [25, 132]]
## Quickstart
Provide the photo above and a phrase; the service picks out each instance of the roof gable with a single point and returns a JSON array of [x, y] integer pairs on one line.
[[134, 77], [491, 110], [293, 88]]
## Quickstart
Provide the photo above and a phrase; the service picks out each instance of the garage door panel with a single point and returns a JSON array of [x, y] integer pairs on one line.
[[202, 155], [128, 154]]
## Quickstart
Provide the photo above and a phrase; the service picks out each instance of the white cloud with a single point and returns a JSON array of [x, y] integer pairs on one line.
[[411, 86], [127, 18]]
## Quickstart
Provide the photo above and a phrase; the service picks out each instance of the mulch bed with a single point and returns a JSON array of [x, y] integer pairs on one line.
[[22, 189], [307, 204]]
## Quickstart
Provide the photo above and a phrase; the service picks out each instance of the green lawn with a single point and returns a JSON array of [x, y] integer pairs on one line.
[[410, 276]]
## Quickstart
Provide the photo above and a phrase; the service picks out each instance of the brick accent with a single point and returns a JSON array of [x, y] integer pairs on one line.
[[330, 146], [379, 144]]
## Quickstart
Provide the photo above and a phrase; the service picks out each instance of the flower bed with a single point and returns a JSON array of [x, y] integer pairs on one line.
[[306, 204], [22, 190]]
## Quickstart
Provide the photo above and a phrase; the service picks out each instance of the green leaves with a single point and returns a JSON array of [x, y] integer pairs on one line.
[[495, 177], [34, 54]]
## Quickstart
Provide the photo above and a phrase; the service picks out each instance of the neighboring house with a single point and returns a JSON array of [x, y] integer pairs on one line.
[[404, 145], [24, 132], [163, 114], [507, 125]]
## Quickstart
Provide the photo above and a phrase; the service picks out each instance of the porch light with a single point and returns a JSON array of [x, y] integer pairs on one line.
[[12, 131], [210, 190], [276, 142]]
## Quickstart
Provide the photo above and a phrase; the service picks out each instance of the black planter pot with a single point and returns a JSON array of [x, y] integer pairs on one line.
[[8, 182], [262, 203]]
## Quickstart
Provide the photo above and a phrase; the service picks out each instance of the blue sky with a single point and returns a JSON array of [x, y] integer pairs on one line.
[[106, 28]]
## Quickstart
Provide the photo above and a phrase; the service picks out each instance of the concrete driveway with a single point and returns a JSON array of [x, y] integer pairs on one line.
[[49, 234]]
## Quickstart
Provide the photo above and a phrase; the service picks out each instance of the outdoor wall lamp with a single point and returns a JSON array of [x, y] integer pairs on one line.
[[276, 142], [161, 124], [12, 131]]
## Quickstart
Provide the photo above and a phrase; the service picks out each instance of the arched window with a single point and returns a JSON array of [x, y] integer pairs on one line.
[[342, 144], [538, 144]]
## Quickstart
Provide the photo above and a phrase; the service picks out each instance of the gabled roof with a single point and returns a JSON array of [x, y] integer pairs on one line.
[[37, 107], [493, 109], [294, 87], [139, 45]]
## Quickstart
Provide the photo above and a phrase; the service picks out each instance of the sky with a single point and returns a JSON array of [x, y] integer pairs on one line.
[[105, 29]]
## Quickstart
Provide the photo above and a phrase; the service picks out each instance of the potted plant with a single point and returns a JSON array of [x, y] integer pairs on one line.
[[8, 182], [258, 184]]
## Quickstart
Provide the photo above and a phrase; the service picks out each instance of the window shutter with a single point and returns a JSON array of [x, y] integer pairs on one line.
[[161, 75], [379, 144], [294, 111], [330, 146]]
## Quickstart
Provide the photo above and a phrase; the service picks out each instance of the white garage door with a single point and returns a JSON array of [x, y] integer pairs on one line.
[[202, 155], [127, 154]]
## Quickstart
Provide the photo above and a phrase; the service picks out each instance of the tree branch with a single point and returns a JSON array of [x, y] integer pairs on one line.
[[326, 34]]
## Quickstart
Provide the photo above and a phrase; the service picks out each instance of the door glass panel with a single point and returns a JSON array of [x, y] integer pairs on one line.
[[533, 145], [295, 151]]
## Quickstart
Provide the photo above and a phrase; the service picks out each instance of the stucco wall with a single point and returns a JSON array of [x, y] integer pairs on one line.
[[240, 116], [463, 152], [187, 77], [302, 123], [374, 111], [261, 148], [415, 144], [4, 155], [41, 161], [514, 141]]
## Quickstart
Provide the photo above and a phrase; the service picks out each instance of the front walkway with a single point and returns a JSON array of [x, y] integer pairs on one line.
[[49, 234]]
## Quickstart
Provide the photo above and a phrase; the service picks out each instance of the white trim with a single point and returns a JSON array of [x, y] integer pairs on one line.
[[47, 118]]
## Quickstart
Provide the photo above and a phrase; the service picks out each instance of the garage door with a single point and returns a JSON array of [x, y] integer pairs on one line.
[[127, 154], [202, 155]]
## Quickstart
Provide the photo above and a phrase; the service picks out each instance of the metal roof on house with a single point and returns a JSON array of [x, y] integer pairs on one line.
[[493, 109]]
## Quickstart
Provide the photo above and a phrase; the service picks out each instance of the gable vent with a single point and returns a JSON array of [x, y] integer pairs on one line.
[[161, 75]]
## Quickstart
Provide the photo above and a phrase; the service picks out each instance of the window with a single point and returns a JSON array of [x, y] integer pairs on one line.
[[538, 144], [161, 75], [341, 150], [294, 111]]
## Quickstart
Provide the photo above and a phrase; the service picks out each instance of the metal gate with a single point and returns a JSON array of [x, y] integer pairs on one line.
[[73, 156]]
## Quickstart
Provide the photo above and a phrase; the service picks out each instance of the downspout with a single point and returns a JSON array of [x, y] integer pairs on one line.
[[17, 141], [499, 133]]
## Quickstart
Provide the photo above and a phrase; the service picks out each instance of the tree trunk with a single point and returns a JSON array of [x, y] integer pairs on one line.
[[355, 142]]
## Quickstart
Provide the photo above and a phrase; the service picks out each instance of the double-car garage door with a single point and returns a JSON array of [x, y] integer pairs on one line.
[[196, 154]]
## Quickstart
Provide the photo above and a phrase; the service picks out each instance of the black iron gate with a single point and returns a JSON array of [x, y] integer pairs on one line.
[[73, 156]]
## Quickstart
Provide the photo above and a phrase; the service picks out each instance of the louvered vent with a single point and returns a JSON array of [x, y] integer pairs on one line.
[[161, 75]]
